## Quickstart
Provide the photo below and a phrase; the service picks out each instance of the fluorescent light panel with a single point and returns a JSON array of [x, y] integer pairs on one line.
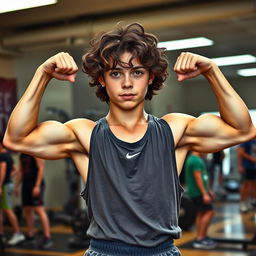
[[247, 72], [234, 60], [185, 43], [14, 5]]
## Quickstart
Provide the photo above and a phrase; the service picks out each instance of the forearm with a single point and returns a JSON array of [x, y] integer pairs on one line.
[[19, 177], [2, 177], [200, 184], [14, 171], [239, 161], [39, 178], [247, 156], [233, 110], [40, 173], [24, 117]]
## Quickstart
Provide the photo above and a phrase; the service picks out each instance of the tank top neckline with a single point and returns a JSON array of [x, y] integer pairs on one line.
[[126, 143]]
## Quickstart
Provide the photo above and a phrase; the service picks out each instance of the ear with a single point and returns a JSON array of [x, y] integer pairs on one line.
[[101, 81], [151, 78]]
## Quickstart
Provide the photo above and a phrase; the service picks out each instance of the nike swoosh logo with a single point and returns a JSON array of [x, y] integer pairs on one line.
[[128, 156]]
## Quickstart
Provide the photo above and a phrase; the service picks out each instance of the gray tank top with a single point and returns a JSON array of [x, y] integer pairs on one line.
[[133, 192]]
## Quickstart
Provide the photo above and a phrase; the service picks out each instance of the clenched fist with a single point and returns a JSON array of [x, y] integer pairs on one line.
[[60, 66], [189, 65]]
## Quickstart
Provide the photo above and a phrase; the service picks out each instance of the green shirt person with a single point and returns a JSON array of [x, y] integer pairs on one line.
[[195, 164]]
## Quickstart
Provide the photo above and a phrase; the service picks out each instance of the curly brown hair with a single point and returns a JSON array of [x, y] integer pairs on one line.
[[111, 45]]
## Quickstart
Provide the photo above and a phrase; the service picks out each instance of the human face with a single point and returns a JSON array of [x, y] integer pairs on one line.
[[127, 86]]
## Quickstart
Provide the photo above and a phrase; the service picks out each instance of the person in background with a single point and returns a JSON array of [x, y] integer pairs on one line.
[[246, 156], [132, 154], [216, 182], [6, 191], [31, 177], [197, 187]]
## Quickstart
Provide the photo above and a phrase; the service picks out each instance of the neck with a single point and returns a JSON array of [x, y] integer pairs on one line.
[[117, 116]]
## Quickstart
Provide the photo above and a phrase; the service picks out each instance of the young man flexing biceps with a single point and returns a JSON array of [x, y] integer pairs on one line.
[[131, 153]]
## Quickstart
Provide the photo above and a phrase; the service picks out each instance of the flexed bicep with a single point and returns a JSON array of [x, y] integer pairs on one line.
[[49, 140], [209, 133], [23, 132]]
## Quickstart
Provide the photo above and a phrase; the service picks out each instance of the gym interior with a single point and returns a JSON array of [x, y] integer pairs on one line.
[[30, 36]]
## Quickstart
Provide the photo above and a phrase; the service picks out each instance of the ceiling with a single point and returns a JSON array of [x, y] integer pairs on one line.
[[231, 24]]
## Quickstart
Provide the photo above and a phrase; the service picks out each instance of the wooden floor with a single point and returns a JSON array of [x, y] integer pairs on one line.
[[227, 223]]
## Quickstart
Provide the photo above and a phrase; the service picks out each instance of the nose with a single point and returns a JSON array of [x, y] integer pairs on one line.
[[127, 81]]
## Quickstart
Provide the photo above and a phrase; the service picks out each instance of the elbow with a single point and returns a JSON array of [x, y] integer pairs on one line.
[[9, 143], [252, 132], [248, 134]]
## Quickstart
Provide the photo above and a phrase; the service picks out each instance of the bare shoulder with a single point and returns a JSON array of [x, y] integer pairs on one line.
[[78, 123], [82, 128], [180, 117], [178, 123]]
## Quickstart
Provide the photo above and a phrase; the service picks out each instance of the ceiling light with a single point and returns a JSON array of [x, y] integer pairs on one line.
[[234, 60], [14, 5], [185, 43], [247, 72]]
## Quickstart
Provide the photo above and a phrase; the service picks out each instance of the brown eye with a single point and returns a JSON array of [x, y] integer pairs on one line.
[[115, 74], [138, 73]]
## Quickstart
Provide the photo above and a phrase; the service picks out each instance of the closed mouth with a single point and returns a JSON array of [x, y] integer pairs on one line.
[[127, 95]]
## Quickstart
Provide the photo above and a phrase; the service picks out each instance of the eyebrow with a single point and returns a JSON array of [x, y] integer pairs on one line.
[[133, 68]]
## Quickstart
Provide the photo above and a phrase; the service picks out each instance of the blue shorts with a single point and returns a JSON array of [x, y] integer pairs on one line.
[[108, 248]]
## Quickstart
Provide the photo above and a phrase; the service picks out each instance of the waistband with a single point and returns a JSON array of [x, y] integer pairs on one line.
[[123, 249]]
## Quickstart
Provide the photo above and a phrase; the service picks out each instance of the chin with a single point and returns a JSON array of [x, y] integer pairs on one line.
[[129, 105]]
